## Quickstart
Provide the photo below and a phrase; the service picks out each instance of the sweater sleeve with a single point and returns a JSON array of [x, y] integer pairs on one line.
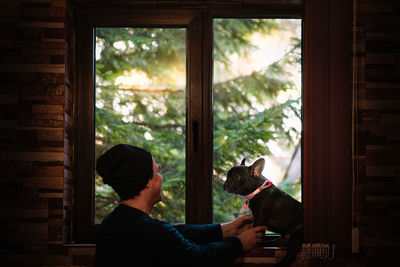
[[222, 251], [200, 234]]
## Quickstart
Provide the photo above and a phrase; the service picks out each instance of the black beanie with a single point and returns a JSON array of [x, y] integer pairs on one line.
[[127, 169]]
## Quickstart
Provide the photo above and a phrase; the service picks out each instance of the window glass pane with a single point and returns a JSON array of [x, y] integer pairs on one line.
[[140, 100], [257, 104]]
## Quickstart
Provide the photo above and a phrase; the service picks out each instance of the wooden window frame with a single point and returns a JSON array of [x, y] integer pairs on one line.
[[326, 124]]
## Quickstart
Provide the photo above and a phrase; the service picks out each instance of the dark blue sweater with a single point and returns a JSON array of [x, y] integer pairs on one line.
[[129, 237]]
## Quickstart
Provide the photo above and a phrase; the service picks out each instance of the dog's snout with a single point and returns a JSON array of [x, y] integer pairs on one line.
[[226, 186]]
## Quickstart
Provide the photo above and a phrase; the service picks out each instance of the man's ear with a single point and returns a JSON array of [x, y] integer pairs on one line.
[[243, 162], [257, 167]]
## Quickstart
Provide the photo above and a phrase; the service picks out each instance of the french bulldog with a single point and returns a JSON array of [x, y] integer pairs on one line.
[[270, 206]]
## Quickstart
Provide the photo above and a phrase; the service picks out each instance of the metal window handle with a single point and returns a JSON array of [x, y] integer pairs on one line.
[[195, 131]]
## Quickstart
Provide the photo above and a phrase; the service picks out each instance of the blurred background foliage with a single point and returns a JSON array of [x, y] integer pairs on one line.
[[141, 98]]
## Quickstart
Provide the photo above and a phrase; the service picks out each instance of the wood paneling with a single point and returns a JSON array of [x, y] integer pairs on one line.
[[378, 132], [37, 128], [35, 187]]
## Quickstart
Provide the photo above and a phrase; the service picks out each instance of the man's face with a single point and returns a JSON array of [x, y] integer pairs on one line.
[[156, 182]]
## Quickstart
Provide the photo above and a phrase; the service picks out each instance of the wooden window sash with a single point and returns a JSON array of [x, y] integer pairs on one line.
[[84, 228]]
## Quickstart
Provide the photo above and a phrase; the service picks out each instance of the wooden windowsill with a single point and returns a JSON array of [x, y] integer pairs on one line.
[[261, 255]]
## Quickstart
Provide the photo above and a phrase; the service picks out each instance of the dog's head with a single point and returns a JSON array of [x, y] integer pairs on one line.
[[243, 180]]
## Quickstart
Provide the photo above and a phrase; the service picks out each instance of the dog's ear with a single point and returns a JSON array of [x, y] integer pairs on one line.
[[243, 162], [257, 167]]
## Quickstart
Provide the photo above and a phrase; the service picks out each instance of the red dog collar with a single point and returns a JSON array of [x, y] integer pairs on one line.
[[247, 198]]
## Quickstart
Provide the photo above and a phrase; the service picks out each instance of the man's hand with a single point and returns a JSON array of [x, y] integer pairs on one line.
[[237, 226], [252, 237]]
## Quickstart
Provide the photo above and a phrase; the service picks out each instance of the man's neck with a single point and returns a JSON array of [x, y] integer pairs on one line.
[[138, 203]]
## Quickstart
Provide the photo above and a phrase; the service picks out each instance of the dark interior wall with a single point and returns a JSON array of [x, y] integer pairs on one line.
[[36, 119], [377, 79]]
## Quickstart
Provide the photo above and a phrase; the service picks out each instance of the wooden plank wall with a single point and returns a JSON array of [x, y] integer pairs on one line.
[[35, 105], [36, 119], [378, 130]]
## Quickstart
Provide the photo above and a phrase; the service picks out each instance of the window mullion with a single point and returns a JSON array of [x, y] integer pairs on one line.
[[198, 183]]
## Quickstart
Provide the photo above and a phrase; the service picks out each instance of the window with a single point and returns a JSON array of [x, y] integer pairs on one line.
[[141, 100], [92, 82], [326, 134], [140, 89], [172, 117], [256, 104]]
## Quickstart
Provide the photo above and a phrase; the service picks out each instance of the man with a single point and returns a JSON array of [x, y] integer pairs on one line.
[[128, 236]]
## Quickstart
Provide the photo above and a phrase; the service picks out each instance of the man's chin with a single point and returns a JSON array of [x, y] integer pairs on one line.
[[159, 199]]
